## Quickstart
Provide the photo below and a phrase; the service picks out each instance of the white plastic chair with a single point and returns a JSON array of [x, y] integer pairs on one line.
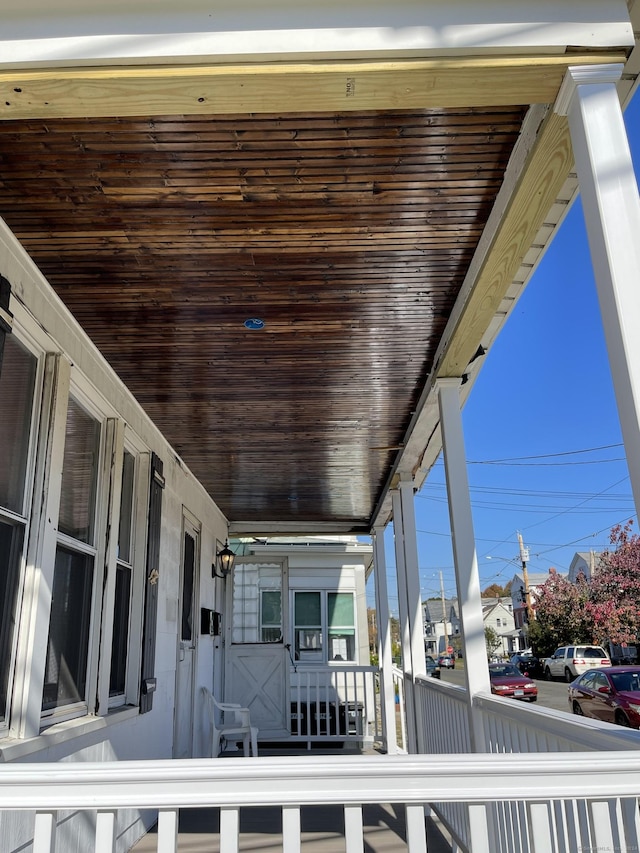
[[235, 724]]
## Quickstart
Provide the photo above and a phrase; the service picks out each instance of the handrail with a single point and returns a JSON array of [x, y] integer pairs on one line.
[[237, 782]]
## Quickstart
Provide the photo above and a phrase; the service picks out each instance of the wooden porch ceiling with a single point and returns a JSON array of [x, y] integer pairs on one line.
[[347, 234]]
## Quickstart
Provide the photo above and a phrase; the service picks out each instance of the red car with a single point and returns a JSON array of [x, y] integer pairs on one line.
[[611, 693], [507, 680]]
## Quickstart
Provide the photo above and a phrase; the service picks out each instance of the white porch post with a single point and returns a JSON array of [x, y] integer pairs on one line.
[[611, 206], [403, 612], [385, 662], [411, 606], [464, 552]]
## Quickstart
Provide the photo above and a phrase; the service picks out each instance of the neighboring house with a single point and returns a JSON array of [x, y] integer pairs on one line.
[[497, 613], [535, 579], [441, 624], [584, 562]]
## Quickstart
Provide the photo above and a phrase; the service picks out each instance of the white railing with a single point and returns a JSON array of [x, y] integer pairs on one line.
[[334, 703], [511, 727], [572, 802]]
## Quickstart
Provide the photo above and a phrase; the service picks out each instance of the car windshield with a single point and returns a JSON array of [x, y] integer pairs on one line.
[[626, 681], [500, 670]]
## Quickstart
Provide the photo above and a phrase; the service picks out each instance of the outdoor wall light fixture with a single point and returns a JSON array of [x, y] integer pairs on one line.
[[225, 558]]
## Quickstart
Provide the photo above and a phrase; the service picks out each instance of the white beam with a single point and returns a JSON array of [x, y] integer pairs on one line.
[[464, 551], [612, 214], [117, 31]]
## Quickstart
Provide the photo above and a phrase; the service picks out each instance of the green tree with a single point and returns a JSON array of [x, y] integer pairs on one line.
[[492, 640]]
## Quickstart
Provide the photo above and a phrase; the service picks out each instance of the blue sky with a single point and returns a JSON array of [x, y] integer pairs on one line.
[[544, 391]]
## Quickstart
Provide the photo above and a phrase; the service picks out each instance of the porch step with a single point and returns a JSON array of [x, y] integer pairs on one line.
[[322, 831]]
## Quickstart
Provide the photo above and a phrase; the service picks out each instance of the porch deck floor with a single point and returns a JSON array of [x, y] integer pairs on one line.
[[322, 831]]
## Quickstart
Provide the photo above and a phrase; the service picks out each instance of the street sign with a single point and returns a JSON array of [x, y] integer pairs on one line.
[[449, 650]]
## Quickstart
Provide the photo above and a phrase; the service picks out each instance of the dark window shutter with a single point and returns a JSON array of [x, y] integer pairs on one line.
[[148, 685], [5, 315]]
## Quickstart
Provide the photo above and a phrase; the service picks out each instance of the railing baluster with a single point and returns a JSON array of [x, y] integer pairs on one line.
[[541, 827], [44, 838], [416, 829], [478, 828], [603, 815], [229, 830], [353, 829], [631, 822], [291, 841], [105, 831], [168, 831]]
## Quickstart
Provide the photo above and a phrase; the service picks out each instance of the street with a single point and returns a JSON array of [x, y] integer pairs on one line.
[[551, 694]]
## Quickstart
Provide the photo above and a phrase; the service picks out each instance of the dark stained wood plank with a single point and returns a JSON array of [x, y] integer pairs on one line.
[[348, 234]]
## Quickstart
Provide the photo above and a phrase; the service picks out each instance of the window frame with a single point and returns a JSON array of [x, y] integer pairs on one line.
[[95, 550], [138, 539], [24, 517], [323, 658]]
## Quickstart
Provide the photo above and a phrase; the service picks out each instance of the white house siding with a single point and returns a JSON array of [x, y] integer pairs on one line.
[[42, 322]]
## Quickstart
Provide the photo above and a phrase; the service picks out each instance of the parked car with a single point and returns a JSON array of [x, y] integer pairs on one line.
[[611, 694], [507, 680], [447, 661], [569, 662], [527, 664], [432, 667]]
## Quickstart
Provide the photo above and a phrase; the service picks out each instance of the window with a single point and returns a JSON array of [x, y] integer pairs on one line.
[[70, 620], [307, 620], [342, 632], [257, 603], [324, 626], [498, 623], [17, 384], [124, 581]]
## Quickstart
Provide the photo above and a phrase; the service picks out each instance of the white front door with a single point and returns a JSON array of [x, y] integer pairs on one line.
[[257, 659], [187, 634]]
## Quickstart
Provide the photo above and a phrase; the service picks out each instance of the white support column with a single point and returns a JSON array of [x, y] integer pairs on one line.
[[611, 206], [464, 551], [405, 627], [385, 661], [401, 576], [414, 601]]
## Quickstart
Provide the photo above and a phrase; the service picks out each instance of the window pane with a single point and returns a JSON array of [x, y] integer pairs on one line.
[[271, 616], [11, 536], [17, 380], [67, 651], [118, 674], [342, 645], [187, 587], [307, 609], [340, 606], [79, 474], [253, 585], [126, 509]]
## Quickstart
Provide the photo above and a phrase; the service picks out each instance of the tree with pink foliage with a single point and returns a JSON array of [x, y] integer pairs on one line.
[[614, 602], [561, 613]]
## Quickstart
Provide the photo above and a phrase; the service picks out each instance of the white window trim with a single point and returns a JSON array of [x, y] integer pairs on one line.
[[77, 391]]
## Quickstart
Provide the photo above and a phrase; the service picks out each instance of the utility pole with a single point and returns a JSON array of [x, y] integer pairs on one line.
[[444, 615], [524, 558]]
